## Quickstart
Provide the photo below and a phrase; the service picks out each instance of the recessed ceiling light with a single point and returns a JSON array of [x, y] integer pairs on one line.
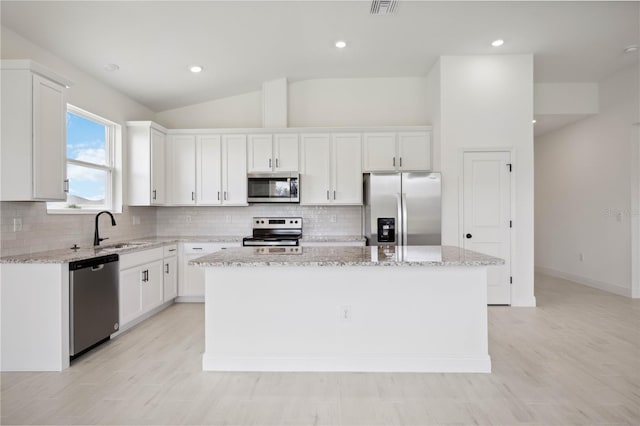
[[497, 43], [195, 69], [630, 49], [534, 121], [341, 44], [111, 67]]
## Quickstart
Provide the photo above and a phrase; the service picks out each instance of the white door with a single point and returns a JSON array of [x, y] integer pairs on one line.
[[286, 153], [208, 170], [380, 152], [234, 170], [170, 279], [130, 295], [347, 169], [152, 285], [260, 149], [487, 215], [158, 184], [315, 179], [414, 151], [49, 140], [182, 170], [193, 282]]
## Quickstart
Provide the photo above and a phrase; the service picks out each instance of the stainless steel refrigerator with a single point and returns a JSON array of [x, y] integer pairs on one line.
[[402, 209]]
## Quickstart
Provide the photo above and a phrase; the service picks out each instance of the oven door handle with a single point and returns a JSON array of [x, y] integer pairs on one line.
[[270, 243]]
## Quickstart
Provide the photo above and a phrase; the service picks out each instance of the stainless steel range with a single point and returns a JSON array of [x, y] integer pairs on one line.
[[275, 231]]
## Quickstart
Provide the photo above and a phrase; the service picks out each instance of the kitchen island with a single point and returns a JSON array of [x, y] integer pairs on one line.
[[384, 309]]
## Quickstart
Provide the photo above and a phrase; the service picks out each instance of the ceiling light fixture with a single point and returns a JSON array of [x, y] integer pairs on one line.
[[497, 43], [341, 44], [111, 67], [630, 49], [195, 69], [534, 121]]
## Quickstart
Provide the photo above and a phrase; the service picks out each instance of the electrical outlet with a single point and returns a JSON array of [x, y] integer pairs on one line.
[[17, 224], [187, 219], [333, 218], [581, 257], [619, 216], [345, 313]]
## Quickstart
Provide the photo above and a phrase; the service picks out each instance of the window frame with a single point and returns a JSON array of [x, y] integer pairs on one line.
[[113, 194]]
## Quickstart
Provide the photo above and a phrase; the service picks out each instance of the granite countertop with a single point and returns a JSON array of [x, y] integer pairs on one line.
[[332, 238], [347, 256]]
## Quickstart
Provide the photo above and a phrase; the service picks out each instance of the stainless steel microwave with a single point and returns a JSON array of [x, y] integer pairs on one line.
[[273, 188]]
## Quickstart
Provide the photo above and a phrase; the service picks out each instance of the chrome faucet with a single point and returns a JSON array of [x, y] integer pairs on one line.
[[96, 235]]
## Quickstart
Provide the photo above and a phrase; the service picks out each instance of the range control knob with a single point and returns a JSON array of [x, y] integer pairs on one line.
[[257, 221]]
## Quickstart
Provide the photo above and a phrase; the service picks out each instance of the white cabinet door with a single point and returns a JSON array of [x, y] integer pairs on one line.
[[260, 153], [315, 179], [414, 151], [151, 285], [181, 167], [158, 185], [209, 173], [347, 169], [380, 152], [234, 170], [170, 279], [130, 295], [286, 152], [49, 140], [192, 283]]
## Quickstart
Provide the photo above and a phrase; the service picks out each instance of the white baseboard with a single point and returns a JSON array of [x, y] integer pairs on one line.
[[190, 299], [142, 318], [481, 364], [610, 288]]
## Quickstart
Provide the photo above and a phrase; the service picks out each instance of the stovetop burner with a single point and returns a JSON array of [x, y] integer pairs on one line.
[[275, 231]]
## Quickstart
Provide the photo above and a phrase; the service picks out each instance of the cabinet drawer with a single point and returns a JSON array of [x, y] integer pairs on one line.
[[140, 257], [170, 250], [195, 248]]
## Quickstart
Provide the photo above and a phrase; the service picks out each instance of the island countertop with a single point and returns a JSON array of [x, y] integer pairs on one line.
[[346, 256]]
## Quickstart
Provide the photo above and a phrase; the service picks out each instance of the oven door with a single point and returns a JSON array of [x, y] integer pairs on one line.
[[272, 188]]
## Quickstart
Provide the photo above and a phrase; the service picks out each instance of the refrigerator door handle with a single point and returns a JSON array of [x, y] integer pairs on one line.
[[405, 225], [399, 225]]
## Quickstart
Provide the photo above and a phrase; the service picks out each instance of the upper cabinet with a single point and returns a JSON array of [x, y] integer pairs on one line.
[[272, 153], [234, 170], [403, 151], [331, 169], [33, 161], [146, 165], [181, 170]]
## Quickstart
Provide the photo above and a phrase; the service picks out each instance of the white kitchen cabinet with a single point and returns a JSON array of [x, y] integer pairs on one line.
[[141, 284], [234, 170], [170, 271], [272, 153], [33, 162], [404, 151], [208, 170], [146, 163], [181, 170], [331, 169], [191, 278]]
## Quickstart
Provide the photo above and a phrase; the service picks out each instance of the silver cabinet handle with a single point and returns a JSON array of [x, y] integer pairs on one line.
[[172, 249], [269, 162], [196, 248], [400, 161], [225, 195], [166, 270], [327, 194], [394, 161], [193, 196], [277, 163], [66, 185], [154, 194], [218, 195], [334, 194]]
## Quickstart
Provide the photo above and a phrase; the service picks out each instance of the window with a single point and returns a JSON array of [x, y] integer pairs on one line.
[[91, 164]]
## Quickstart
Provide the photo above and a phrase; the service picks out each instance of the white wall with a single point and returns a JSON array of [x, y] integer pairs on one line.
[[235, 111], [358, 102], [583, 191], [40, 230], [347, 102], [487, 102]]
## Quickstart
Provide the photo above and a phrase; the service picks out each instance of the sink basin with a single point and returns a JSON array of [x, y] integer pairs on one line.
[[121, 246]]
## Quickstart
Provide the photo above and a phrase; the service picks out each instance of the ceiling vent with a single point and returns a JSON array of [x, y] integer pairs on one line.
[[384, 7]]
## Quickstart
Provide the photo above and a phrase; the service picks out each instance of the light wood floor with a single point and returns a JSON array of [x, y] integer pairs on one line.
[[573, 360]]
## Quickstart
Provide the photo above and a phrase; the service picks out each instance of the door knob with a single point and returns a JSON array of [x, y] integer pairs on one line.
[[469, 235]]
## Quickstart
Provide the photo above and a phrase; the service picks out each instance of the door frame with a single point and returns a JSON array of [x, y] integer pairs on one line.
[[634, 214], [512, 202]]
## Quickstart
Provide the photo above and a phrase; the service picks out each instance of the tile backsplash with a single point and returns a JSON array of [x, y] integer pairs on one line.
[[42, 231], [236, 221]]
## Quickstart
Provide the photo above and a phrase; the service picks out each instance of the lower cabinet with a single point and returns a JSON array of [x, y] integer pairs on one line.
[[170, 278], [191, 282], [141, 283]]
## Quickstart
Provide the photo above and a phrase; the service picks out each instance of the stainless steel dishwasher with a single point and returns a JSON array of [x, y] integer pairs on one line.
[[93, 302]]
